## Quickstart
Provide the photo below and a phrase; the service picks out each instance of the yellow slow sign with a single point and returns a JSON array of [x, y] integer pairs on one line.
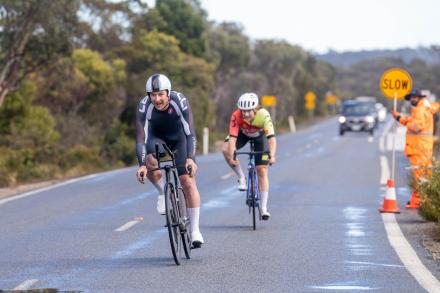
[[395, 82]]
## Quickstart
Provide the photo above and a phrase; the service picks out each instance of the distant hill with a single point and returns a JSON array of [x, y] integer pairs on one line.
[[345, 59]]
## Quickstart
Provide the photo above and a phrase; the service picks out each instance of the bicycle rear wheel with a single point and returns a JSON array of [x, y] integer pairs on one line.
[[172, 215], [186, 236]]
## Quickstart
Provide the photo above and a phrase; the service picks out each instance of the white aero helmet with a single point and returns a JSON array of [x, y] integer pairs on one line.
[[158, 82], [247, 101]]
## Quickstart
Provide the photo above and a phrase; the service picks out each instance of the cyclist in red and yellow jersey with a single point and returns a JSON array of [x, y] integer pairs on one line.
[[251, 122]]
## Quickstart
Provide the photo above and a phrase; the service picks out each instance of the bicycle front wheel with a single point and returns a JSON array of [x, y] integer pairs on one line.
[[186, 237], [172, 215], [254, 201]]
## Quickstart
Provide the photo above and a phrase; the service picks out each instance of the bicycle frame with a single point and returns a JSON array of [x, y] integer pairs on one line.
[[175, 204], [253, 192]]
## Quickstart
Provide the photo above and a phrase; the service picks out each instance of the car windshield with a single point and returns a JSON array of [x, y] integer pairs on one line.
[[356, 109]]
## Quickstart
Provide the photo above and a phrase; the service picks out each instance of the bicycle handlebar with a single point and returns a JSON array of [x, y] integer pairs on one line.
[[251, 153]]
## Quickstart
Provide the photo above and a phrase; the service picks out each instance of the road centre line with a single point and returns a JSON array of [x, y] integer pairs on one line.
[[342, 287], [227, 175], [384, 135], [382, 144], [385, 170], [26, 284], [128, 225], [407, 255], [373, 264]]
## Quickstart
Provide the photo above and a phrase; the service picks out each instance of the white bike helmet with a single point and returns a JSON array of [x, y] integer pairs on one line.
[[158, 82], [247, 101]]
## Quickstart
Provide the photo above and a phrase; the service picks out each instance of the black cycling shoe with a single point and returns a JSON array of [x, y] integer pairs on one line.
[[196, 244], [265, 215]]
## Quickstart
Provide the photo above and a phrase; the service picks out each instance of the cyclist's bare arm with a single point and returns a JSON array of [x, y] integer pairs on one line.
[[272, 142], [232, 147]]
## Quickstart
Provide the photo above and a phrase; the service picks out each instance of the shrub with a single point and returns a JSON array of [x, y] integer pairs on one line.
[[430, 192]]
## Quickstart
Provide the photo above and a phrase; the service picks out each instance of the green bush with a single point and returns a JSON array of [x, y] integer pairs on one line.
[[88, 157], [117, 147], [430, 192]]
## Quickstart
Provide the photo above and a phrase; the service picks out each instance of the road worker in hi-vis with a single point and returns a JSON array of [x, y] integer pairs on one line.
[[435, 109], [419, 139]]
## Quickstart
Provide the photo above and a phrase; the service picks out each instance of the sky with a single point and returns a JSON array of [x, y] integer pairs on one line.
[[340, 25]]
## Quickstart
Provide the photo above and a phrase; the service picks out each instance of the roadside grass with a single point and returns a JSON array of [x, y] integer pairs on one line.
[[430, 193]]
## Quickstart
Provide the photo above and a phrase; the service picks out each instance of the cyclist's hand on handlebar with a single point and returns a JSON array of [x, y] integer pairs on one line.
[[272, 160], [141, 173], [233, 162], [191, 167]]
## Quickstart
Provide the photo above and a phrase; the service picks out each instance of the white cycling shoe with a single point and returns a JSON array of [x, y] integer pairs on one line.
[[242, 184], [161, 204], [197, 239], [265, 215]]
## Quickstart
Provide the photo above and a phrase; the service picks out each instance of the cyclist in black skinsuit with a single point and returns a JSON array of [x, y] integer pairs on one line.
[[165, 116]]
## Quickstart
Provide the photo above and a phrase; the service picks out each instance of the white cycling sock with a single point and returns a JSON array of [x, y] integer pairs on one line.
[[159, 185], [237, 169], [194, 215], [264, 195]]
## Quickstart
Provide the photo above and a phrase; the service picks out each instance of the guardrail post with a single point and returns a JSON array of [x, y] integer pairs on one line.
[[292, 124], [205, 140]]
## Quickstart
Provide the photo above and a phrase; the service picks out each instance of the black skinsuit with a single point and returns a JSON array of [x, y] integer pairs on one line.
[[173, 126]]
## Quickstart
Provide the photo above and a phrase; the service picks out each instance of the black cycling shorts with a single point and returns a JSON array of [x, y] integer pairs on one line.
[[260, 144], [178, 147]]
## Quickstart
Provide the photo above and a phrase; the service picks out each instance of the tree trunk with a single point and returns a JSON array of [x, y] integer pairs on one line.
[[3, 92]]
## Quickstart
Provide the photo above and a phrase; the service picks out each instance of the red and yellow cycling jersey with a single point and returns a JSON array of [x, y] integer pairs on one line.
[[262, 121]]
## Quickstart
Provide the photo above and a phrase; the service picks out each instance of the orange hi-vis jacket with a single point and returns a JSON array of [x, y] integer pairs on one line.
[[435, 107], [419, 129]]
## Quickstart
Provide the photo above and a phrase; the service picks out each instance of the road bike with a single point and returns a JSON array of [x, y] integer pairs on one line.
[[177, 220], [252, 191]]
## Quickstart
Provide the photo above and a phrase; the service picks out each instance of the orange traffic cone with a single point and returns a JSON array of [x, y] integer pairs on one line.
[[389, 202], [414, 202]]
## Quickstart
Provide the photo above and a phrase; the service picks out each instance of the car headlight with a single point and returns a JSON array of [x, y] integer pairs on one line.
[[369, 119], [342, 119]]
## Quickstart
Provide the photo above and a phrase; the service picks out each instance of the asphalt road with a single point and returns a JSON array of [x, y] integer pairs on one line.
[[325, 232]]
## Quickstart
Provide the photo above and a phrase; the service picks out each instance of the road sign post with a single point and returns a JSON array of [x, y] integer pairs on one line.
[[395, 84]]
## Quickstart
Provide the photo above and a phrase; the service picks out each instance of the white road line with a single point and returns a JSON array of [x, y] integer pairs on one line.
[[399, 243], [382, 144], [408, 256], [26, 194], [26, 284], [370, 139], [385, 170], [340, 288], [226, 176], [127, 225], [374, 264], [384, 135]]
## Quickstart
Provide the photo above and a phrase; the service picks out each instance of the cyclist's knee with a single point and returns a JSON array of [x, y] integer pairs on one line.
[[151, 162], [261, 170], [186, 181], [225, 149]]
